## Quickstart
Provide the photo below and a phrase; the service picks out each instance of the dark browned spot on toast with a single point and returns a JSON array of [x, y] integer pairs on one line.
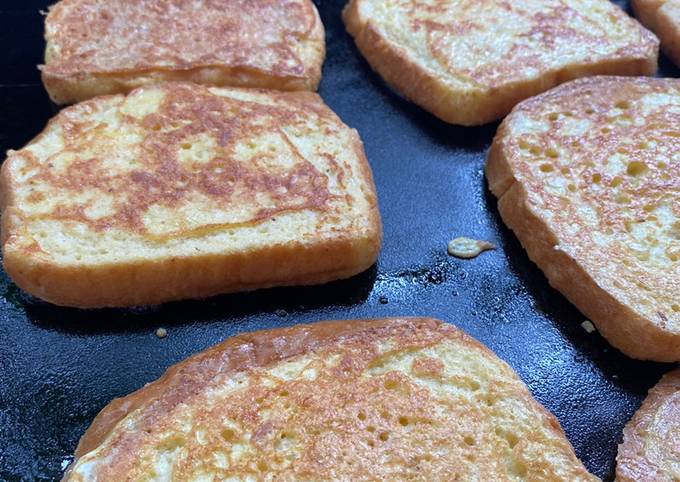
[[254, 186], [427, 367]]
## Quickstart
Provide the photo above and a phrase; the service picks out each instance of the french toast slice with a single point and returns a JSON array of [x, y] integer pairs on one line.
[[663, 18], [183, 191], [587, 175], [470, 61], [650, 451], [392, 399], [97, 47]]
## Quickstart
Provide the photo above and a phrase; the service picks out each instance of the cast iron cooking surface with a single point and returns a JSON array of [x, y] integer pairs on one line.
[[59, 367]]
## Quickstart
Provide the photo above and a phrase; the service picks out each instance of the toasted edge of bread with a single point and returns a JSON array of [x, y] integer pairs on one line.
[[69, 89], [633, 463], [271, 346], [73, 89], [470, 108], [171, 279], [645, 11], [633, 334], [663, 18]]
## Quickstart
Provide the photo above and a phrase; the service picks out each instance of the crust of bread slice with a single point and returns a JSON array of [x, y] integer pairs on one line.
[[587, 180], [663, 18], [469, 62], [181, 191], [650, 451], [97, 47], [328, 401]]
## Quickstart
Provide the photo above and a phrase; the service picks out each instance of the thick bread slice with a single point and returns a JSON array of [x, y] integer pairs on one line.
[[97, 47], [470, 61], [179, 190], [588, 178], [650, 451], [393, 399], [663, 17]]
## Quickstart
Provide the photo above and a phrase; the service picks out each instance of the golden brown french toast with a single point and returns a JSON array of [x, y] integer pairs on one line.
[[588, 177], [97, 47], [650, 451], [663, 18], [470, 61], [183, 191], [392, 399]]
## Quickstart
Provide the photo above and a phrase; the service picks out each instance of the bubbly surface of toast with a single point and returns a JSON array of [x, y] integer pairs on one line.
[[392, 399], [650, 451], [662, 17], [588, 178], [99, 47], [180, 190], [470, 61]]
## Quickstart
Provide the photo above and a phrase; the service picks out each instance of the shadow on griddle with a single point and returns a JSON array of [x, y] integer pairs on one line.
[[633, 376], [467, 139], [17, 128], [280, 302], [668, 68]]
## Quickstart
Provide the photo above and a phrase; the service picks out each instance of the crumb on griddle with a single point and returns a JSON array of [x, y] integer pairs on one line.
[[588, 326]]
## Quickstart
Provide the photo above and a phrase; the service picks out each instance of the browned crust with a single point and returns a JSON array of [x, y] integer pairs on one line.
[[72, 89], [669, 31], [479, 106], [162, 280], [69, 88], [168, 279], [633, 334], [645, 11], [633, 463], [263, 348], [654, 15], [153, 281]]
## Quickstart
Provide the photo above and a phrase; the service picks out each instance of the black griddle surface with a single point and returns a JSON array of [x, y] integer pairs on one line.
[[59, 367]]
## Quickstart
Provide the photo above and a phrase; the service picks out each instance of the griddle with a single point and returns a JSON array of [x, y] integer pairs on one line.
[[59, 366]]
